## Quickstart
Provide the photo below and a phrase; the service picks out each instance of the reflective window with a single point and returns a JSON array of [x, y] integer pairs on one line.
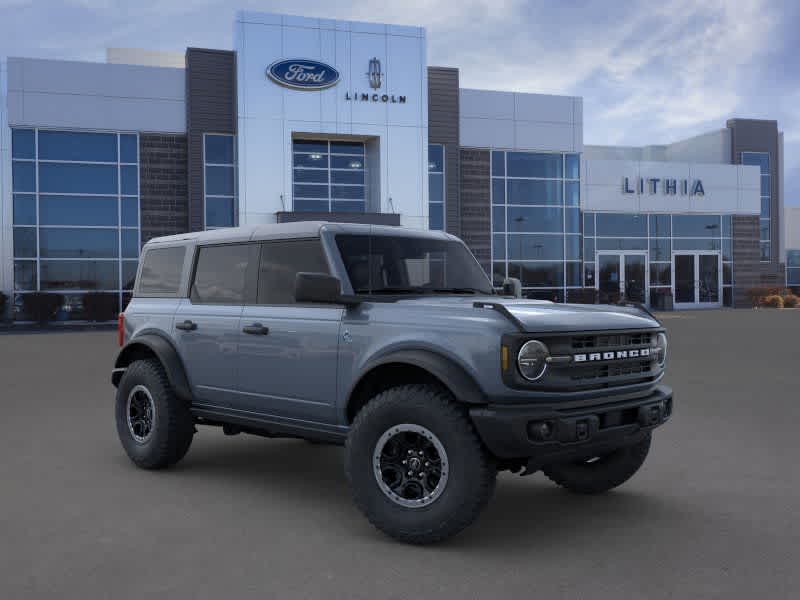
[[660, 250], [219, 276], [76, 236], [533, 191], [219, 156], [279, 265], [78, 146], [793, 267], [761, 160], [91, 275], [660, 226], [329, 176], [531, 164], [537, 221], [24, 209], [161, 271], [68, 178], [23, 143], [78, 210], [55, 242], [621, 225], [436, 185], [696, 225]]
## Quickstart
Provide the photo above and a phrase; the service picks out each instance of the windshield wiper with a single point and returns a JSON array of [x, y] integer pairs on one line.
[[385, 290]]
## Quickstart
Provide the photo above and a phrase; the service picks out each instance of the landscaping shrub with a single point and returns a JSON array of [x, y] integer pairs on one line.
[[41, 306], [99, 306], [790, 301], [773, 301]]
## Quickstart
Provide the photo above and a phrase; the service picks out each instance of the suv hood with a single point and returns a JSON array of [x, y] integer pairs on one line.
[[543, 316]]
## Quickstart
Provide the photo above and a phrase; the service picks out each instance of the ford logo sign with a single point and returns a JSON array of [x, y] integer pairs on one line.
[[303, 74]]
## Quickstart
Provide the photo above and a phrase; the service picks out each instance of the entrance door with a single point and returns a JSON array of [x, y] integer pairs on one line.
[[697, 279], [622, 275]]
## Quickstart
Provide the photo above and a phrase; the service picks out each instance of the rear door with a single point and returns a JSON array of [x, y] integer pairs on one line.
[[288, 351], [206, 324]]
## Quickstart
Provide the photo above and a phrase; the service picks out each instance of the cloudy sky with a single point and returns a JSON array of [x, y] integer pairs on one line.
[[649, 71]]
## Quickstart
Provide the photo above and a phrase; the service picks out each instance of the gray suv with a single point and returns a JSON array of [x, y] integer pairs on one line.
[[393, 343]]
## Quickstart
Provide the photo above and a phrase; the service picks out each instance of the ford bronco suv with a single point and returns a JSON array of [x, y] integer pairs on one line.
[[393, 343]]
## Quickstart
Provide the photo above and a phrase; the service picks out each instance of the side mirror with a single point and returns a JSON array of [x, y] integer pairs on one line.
[[512, 287], [317, 287]]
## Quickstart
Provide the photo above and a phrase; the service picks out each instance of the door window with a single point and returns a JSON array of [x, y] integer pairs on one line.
[[220, 274], [281, 262]]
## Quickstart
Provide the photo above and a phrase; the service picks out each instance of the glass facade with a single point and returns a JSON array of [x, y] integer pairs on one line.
[[76, 215], [219, 169], [793, 268], [761, 160], [536, 221], [435, 186], [658, 235], [328, 176]]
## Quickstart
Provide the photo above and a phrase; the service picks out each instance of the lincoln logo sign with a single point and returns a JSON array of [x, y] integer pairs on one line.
[[302, 74], [617, 355], [667, 186]]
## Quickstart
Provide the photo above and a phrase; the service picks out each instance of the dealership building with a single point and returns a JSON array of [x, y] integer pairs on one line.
[[339, 120]]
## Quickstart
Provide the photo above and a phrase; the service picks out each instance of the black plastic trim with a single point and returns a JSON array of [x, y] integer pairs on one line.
[[166, 354]]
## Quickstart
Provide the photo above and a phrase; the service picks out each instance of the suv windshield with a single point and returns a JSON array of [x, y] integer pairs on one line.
[[410, 265]]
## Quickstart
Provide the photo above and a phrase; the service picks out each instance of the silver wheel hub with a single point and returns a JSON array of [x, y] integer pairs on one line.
[[410, 465], [140, 410]]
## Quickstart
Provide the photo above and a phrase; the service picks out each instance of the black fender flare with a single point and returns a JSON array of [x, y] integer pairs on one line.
[[453, 376], [165, 352]]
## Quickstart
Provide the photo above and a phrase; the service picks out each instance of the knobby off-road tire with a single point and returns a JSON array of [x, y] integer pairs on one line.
[[426, 415], [153, 424], [602, 473]]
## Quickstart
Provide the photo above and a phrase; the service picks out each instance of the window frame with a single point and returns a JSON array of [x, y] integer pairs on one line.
[[234, 167], [329, 169], [180, 292], [249, 288], [263, 243]]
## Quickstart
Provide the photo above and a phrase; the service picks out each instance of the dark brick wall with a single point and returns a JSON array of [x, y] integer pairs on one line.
[[163, 194], [210, 108], [476, 216], [443, 129]]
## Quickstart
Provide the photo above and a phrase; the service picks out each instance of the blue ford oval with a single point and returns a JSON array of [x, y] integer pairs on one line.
[[303, 74]]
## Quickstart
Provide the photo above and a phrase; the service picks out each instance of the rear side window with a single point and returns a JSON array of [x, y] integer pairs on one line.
[[161, 271], [220, 274], [280, 264]]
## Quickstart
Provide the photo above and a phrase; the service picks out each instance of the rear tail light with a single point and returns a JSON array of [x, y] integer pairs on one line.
[[121, 329]]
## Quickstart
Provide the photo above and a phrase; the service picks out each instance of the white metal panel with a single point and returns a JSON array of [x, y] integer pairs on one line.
[[258, 96], [486, 133], [364, 47], [405, 77], [543, 107], [300, 42], [261, 160], [546, 136], [486, 104], [405, 147]]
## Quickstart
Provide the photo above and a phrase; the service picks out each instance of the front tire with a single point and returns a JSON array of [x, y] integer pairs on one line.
[[416, 467], [602, 473], [154, 426]]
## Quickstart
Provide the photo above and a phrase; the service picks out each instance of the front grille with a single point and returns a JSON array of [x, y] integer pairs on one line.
[[581, 342], [613, 370]]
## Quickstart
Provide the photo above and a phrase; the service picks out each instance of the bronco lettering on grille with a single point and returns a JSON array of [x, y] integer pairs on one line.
[[616, 355]]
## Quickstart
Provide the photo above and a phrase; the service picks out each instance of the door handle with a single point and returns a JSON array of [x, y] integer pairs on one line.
[[186, 326], [256, 329]]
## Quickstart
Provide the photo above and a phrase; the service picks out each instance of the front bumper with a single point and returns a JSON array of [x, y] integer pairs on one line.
[[548, 433]]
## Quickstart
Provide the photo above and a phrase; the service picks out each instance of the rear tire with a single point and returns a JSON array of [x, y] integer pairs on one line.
[[154, 426], [602, 473], [452, 478]]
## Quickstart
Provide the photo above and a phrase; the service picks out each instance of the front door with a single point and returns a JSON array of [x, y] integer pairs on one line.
[[622, 275], [697, 279], [288, 353]]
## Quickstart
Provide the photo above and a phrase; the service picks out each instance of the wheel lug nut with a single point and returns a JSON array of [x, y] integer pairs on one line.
[[409, 473], [404, 461], [411, 452]]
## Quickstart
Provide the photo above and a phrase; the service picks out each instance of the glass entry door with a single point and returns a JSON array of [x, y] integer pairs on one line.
[[697, 279], [622, 276]]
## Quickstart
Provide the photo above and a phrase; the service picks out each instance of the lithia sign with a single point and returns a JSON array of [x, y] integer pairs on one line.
[[667, 186], [306, 74]]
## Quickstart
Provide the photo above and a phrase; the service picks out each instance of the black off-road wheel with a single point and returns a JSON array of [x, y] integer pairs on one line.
[[153, 424], [600, 473], [417, 469]]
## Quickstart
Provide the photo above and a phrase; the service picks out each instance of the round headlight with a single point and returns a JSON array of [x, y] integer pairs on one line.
[[532, 360], [661, 345]]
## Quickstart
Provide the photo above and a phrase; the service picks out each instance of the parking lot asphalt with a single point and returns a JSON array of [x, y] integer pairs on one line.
[[714, 513]]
